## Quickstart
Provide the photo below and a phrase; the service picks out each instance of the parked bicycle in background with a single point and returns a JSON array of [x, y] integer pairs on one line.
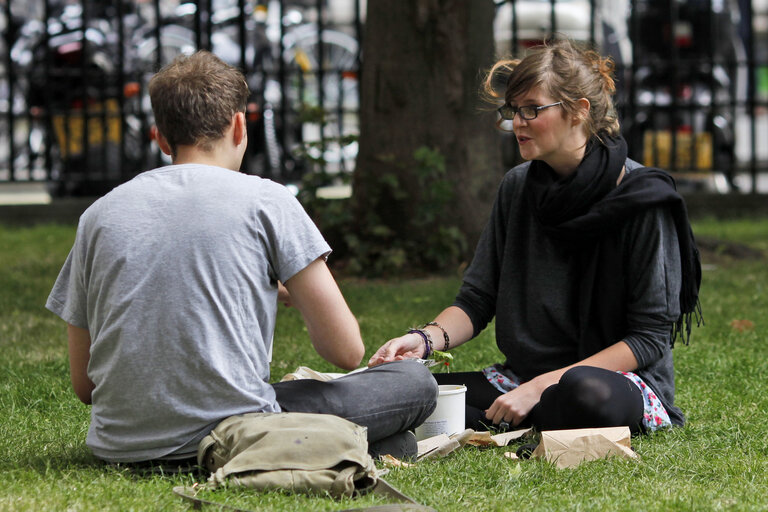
[[80, 69]]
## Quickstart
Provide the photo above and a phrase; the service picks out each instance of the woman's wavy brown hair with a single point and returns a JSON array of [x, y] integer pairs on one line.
[[566, 72]]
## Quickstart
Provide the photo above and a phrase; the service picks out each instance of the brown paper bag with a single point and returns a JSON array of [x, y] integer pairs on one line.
[[569, 448]]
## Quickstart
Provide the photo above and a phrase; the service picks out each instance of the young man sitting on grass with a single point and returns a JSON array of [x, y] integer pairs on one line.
[[171, 290]]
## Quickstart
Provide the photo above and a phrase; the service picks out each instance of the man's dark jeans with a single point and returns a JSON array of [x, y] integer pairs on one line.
[[388, 399]]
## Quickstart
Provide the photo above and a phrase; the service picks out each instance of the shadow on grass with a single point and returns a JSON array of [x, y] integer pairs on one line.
[[715, 250], [59, 458], [79, 458]]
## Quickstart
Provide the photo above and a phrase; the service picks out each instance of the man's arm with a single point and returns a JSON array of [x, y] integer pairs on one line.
[[332, 327], [79, 355]]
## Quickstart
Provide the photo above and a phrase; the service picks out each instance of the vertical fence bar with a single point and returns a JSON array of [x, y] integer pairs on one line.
[[629, 108], [101, 108], [359, 66], [198, 26], [733, 67], [281, 70], [752, 92], [359, 36], [320, 77], [552, 19], [674, 16], [157, 34], [121, 84], [515, 39], [47, 107], [208, 24], [84, 19], [714, 106], [11, 78], [242, 35]]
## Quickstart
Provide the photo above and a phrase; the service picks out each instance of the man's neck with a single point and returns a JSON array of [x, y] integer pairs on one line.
[[216, 157]]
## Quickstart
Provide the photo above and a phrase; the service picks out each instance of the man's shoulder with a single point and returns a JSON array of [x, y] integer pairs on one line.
[[175, 188], [192, 176]]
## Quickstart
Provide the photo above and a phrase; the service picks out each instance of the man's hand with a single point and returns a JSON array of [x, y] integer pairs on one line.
[[283, 295]]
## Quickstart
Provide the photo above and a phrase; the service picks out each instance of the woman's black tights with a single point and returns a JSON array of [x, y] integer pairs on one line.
[[585, 397]]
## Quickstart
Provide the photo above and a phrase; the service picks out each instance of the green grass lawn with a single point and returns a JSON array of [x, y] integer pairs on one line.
[[719, 461]]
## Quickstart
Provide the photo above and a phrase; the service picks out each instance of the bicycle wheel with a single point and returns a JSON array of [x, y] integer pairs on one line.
[[330, 85], [338, 67], [174, 40]]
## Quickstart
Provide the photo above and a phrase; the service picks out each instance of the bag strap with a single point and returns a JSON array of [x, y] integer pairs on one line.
[[382, 488], [190, 494], [385, 489], [394, 507]]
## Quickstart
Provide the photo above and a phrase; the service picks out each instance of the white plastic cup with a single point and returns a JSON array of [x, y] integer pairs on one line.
[[448, 416]]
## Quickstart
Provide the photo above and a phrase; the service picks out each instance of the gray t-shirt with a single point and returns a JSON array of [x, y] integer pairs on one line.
[[175, 274]]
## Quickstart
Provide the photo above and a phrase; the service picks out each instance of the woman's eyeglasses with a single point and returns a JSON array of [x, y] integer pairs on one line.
[[527, 112]]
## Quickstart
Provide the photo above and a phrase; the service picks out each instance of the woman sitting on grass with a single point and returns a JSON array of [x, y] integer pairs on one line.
[[587, 262]]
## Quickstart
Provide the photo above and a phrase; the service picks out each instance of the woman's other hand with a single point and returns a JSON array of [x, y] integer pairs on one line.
[[409, 346], [513, 406]]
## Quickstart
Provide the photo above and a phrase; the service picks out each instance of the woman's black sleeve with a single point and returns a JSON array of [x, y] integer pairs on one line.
[[479, 306]]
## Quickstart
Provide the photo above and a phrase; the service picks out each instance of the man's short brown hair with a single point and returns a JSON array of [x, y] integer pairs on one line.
[[194, 98]]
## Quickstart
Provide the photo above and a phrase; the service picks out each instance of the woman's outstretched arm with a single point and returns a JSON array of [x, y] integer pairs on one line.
[[454, 320]]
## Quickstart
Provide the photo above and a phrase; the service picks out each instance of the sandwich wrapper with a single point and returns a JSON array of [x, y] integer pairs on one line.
[[569, 448], [305, 372], [503, 439]]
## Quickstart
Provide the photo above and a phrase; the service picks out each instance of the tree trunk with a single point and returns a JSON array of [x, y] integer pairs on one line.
[[423, 62]]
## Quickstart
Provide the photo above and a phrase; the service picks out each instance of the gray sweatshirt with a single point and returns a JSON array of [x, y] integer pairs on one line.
[[529, 282]]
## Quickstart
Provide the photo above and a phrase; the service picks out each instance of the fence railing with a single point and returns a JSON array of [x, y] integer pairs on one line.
[[74, 111]]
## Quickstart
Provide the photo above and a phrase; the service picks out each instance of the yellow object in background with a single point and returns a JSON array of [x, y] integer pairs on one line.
[[693, 152], [104, 123]]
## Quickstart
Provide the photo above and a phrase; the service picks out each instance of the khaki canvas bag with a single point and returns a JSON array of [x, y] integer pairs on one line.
[[300, 452]]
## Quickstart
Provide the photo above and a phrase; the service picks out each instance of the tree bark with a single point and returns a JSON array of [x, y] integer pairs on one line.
[[423, 62]]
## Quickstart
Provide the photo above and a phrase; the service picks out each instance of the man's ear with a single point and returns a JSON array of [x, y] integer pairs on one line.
[[240, 132], [162, 142]]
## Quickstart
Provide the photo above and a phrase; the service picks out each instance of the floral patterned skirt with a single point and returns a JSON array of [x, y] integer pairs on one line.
[[655, 415]]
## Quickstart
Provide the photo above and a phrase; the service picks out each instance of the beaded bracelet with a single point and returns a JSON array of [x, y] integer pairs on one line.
[[427, 340], [445, 334]]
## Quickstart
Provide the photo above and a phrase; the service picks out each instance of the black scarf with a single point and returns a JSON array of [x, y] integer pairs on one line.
[[585, 209]]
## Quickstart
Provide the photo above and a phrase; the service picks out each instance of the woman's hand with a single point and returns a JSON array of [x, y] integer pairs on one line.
[[452, 320], [514, 406], [408, 346]]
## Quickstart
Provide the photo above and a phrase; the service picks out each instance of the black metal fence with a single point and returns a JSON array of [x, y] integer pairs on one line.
[[74, 112]]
